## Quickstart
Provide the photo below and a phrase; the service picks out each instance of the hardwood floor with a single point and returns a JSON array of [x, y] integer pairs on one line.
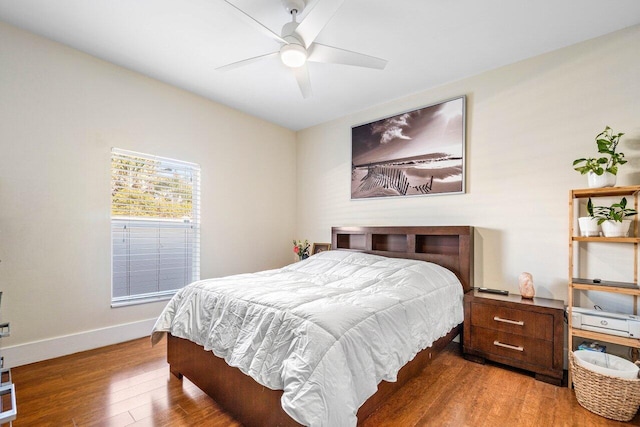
[[126, 384], [129, 384]]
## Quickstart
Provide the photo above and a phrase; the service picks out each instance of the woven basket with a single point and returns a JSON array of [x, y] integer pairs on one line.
[[610, 397]]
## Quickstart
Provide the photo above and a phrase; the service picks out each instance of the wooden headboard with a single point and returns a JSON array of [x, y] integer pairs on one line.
[[448, 246]]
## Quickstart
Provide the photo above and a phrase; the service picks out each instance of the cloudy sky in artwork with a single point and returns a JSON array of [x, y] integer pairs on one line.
[[433, 129]]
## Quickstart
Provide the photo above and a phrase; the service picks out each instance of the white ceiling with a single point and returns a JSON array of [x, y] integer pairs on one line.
[[427, 43]]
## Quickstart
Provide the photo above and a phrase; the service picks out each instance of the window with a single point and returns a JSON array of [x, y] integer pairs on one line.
[[155, 226]]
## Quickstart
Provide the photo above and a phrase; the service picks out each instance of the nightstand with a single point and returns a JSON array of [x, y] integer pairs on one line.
[[523, 333]]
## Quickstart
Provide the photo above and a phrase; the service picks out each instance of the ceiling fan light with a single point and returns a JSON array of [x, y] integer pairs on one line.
[[293, 55]]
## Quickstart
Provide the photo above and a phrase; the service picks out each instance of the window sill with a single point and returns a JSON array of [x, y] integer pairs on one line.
[[141, 300]]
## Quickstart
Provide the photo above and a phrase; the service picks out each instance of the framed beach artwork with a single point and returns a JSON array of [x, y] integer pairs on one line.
[[418, 152]]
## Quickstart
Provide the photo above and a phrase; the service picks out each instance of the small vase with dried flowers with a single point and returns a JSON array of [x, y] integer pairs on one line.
[[301, 249]]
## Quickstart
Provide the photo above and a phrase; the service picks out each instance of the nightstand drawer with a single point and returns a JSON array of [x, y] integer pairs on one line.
[[518, 347], [514, 321]]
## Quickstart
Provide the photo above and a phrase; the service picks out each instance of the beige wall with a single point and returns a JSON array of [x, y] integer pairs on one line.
[[526, 123], [61, 111]]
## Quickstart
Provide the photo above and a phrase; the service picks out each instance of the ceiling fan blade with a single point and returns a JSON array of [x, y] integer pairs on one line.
[[244, 62], [316, 20], [302, 77], [334, 55], [255, 23]]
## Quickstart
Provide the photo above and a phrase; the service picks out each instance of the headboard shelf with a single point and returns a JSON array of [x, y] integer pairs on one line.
[[449, 246], [389, 242], [438, 244], [353, 241]]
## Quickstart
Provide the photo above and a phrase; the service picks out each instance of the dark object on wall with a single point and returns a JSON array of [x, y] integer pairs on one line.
[[413, 153]]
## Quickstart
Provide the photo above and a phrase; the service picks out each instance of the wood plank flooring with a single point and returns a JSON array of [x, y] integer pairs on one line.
[[129, 384]]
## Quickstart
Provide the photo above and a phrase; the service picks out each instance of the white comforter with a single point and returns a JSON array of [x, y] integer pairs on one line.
[[325, 330]]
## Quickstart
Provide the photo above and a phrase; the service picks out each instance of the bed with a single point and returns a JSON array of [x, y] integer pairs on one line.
[[318, 382]]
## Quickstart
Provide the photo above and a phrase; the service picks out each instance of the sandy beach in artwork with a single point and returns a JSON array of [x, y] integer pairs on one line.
[[391, 179]]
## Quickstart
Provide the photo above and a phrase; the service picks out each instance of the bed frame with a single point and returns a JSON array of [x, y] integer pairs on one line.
[[255, 405]]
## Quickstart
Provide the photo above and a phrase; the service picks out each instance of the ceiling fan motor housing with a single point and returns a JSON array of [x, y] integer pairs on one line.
[[297, 5], [288, 31]]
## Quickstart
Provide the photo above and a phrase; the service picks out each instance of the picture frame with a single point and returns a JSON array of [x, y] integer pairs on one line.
[[416, 152], [320, 247]]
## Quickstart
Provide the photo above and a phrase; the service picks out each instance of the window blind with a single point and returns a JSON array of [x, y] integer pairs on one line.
[[155, 226]]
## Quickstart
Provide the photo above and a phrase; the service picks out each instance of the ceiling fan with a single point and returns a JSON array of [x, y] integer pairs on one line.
[[298, 45]]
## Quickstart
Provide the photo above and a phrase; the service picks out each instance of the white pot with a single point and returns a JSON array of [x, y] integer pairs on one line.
[[599, 181], [615, 228], [588, 226]]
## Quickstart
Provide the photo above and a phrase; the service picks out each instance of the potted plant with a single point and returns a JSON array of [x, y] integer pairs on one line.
[[589, 225], [601, 172], [614, 218]]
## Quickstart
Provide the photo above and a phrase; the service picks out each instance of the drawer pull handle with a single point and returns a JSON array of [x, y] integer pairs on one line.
[[510, 347], [512, 322]]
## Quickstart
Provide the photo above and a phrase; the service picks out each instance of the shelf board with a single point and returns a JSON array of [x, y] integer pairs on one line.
[[598, 336], [600, 288], [606, 239], [604, 192], [628, 288]]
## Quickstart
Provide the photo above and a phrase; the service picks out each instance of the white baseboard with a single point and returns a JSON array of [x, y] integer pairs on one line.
[[37, 351]]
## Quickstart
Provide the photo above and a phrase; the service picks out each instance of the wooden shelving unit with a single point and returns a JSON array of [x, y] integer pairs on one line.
[[632, 289]]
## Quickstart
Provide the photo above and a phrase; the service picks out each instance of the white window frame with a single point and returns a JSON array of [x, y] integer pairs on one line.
[[155, 238]]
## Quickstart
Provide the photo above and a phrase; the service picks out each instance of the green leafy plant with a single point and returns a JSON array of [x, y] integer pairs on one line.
[[607, 143], [616, 212], [590, 208]]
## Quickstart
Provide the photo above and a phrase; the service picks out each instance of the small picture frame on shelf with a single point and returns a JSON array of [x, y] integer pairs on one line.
[[320, 247]]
